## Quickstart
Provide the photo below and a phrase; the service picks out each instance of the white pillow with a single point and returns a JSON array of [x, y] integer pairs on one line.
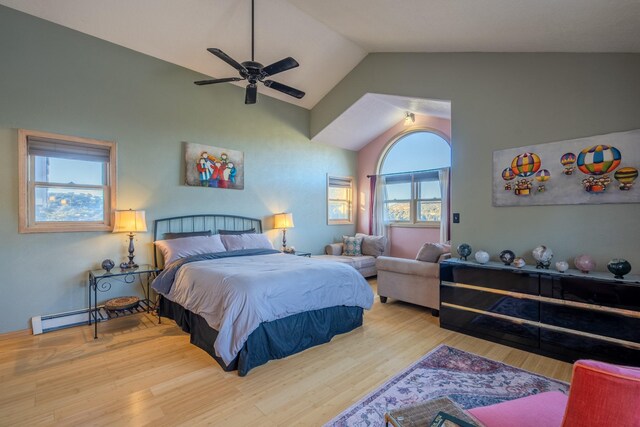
[[175, 249], [236, 242]]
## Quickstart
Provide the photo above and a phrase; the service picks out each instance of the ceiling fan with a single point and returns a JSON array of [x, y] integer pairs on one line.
[[255, 72]]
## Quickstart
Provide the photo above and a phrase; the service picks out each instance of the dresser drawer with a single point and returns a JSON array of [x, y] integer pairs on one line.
[[598, 292], [591, 321], [485, 325], [572, 347], [506, 280], [487, 301]]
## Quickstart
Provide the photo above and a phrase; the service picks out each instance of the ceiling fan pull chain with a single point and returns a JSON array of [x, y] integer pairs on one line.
[[252, 30]]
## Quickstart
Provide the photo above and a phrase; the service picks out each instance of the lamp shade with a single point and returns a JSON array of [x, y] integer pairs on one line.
[[129, 221], [283, 220]]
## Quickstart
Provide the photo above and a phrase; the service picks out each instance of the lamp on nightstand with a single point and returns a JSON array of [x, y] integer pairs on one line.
[[283, 221], [129, 222]]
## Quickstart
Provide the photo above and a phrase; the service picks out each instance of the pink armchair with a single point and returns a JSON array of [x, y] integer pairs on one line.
[[601, 394]]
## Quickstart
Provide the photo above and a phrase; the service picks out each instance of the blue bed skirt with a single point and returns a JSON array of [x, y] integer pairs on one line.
[[272, 340]]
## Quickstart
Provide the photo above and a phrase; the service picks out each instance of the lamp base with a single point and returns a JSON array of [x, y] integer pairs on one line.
[[130, 264]]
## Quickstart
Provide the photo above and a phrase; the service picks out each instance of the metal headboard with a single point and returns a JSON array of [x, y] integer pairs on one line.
[[203, 222]]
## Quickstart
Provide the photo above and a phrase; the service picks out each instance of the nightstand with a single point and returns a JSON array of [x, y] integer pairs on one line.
[[301, 253], [100, 280]]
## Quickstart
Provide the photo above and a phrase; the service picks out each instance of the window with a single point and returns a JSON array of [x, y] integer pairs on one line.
[[339, 200], [66, 183], [412, 166]]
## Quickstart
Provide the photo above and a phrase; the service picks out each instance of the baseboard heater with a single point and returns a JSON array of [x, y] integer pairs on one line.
[[53, 322]]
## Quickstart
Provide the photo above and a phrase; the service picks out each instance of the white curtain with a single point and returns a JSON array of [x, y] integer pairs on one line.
[[443, 175], [380, 227]]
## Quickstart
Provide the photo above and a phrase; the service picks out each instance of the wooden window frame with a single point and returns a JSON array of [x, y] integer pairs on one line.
[[26, 196], [350, 201], [413, 205]]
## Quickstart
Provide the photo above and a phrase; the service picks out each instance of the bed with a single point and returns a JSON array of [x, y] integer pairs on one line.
[[248, 305]]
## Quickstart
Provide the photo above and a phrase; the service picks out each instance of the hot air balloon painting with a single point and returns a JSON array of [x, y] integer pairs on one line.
[[568, 160], [626, 176], [589, 170], [596, 162], [541, 176], [508, 175], [599, 159], [525, 164]]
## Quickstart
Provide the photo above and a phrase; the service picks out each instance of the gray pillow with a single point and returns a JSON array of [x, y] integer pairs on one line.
[[236, 232], [430, 252], [169, 236], [236, 242], [372, 245], [174, 249]]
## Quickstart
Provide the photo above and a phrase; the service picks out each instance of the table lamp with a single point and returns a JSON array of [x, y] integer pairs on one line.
[[129, 222], [283, 221]]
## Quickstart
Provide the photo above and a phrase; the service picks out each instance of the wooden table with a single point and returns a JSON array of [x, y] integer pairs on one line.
[[423, 413]]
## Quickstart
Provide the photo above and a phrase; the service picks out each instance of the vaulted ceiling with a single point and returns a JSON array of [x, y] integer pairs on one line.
[[330, 37]]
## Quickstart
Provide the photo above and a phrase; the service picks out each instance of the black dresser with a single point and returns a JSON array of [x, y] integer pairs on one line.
[[567, 316]]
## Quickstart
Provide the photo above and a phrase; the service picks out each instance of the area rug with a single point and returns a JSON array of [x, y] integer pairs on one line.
[[467, 379]]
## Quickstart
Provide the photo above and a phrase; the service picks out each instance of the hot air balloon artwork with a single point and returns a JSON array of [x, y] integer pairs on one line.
[[626, 176], [524, 165], [589, 170], [508, 175], [596, 162], [541, 176], [568, 160]]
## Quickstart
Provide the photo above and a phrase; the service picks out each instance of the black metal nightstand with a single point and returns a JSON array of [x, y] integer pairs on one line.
[[100, 280], [299, 253]]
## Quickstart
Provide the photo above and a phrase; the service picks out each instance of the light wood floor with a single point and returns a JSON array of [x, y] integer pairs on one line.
[[139, 372]]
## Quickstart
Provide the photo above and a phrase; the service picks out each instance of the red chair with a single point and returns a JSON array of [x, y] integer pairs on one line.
[[601, 394]]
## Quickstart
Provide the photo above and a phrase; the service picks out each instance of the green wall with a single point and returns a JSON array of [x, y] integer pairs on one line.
[[57, 80], [510, 100]]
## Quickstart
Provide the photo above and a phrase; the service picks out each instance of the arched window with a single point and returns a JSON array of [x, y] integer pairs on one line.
[[413, 167]]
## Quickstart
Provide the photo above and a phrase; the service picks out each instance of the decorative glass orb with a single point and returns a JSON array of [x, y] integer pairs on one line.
[[464, 250], [542, 255], [507, 256], [482, 257], [619, 267], [584, 263]]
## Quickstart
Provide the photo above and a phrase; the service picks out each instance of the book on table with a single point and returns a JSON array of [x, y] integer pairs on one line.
[[442, 419]]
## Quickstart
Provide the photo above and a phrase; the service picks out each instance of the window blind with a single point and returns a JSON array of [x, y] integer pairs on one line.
[[48, 147], [339, 182]]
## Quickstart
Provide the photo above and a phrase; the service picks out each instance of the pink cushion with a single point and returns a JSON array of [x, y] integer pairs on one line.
[[543, 409], [603, 394]]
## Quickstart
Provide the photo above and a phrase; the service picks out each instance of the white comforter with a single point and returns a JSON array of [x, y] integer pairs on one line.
[[235, 295]]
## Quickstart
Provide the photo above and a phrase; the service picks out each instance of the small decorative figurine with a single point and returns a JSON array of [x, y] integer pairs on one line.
[[562, 266], [464, 250], [542, 255], [507, 256], [482, 257], [108, 264], [619, 267], [519, 262], [584, 263]]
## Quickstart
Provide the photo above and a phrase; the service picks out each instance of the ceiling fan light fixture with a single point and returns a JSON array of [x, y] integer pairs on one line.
[[255, 72]]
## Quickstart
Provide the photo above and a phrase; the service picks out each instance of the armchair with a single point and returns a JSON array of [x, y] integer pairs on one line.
[[415, 281]]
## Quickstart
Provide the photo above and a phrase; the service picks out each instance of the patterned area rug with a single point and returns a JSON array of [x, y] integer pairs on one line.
[[467, 379]]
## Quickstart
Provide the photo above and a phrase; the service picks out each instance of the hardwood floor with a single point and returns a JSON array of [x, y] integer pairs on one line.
[[139, 372]]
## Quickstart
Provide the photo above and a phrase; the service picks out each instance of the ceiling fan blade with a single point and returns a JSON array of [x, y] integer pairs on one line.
[[284, 89], [226, 58], [251, 94], [280, 66], [225, 80]]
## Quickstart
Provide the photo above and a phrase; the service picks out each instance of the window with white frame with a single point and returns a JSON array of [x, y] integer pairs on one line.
[[339, 200], [67, 183], [412, 167]]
